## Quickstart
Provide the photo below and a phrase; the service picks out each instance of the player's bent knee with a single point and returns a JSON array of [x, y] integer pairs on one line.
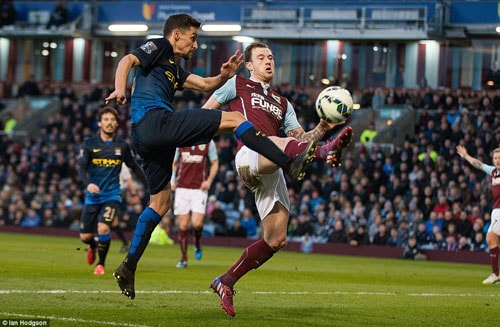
[[231, 120], [103, 229], [277, 244], [86, 237]]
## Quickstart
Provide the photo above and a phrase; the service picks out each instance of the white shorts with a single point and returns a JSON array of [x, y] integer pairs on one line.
[[495, 222], [268, 188], [189, 200]]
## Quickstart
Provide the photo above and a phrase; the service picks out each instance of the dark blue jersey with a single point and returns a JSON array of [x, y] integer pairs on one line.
[[156, 78], [100, 163]]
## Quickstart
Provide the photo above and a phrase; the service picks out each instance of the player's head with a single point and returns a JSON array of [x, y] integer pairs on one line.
[[182, 32], [496, 157], [259, 61], [107, 120]]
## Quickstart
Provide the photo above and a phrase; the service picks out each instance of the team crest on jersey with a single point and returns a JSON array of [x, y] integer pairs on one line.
[[149, 47], [277, 98], [202, 147], [118, 151]]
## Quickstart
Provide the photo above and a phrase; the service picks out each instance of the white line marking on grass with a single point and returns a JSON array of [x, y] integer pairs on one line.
[[75, 320], [254, 292]]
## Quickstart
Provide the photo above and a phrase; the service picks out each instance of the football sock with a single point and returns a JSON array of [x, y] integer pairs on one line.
[[183, 243], [494, 260], [146, 223], [119, 232], [294, 148], [92, 243], [197, 237], [260, 143], [253, 257], [102, 247]]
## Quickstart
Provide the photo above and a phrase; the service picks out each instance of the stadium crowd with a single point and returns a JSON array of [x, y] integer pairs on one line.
[[421, 192]]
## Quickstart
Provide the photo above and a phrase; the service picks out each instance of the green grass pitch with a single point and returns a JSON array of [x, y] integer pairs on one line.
[[46, 277]]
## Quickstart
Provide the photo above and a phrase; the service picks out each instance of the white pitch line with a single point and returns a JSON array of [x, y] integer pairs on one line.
[[75, 320], [2, 292]]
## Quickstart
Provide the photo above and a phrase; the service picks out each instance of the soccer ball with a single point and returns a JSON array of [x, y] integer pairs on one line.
[[334, 104]]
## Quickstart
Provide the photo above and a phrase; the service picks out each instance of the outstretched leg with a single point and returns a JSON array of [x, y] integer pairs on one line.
[[294, 166]]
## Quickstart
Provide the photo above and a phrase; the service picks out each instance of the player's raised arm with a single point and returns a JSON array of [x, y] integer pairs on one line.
[[209, 84], [462, 152]]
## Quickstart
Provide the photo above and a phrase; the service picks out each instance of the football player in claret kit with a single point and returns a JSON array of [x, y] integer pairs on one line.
[[493, 234], [271, 113], [191, 180], [99, 163]]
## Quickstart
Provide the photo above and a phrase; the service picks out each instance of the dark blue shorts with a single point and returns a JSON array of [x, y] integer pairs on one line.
[[99, 213], [157, 135]]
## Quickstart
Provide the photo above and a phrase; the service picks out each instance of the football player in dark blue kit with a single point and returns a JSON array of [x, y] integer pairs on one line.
[[157, 130], [100, 162]]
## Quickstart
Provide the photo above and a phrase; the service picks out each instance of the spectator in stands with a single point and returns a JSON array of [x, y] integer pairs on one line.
[[321, 228], [394, 238], [367, 98], [463, 244], [230, 196], [29, 88], [464, 226], [381, 237], [378, 98], [338, 234], [304, 226], [423, 238], [412, 250], [219, 219], [442, 206], [237, 230], [32, 219], [293, 222], [248, 222], [478, 244], [58, 16], [48, 217], [10, 123], [368, 134], [439, 241], [359, 236], [432, 221], [451, 243], [306, 244]]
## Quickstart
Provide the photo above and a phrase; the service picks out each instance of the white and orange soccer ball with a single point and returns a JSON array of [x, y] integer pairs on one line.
[[334, 104]]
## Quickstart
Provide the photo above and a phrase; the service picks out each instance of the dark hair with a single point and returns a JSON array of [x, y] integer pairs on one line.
[[249, 49], [179, 21], [107, 110]]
